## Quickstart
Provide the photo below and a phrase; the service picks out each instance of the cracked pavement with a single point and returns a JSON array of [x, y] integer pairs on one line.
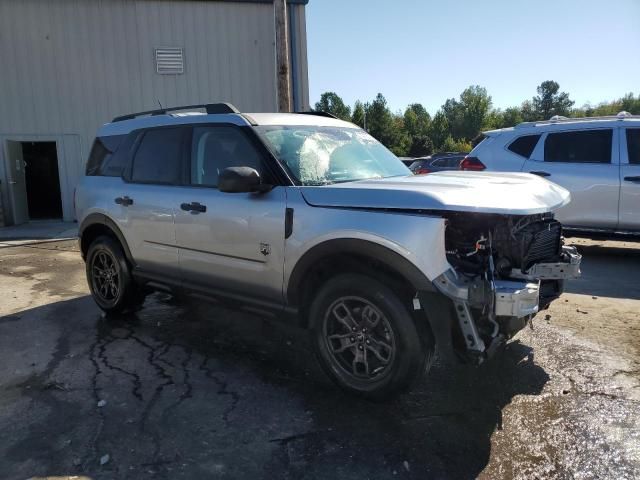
[[193, 390]]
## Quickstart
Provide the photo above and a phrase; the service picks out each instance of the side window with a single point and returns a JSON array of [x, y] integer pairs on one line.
[[633, 145], [215, 148], [524, 145], [101, 153], [589, 146], [454, 162], [158, 157]]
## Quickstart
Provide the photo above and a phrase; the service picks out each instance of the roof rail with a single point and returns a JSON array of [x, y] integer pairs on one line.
[[319, 114], [560, 119], [210, 108]]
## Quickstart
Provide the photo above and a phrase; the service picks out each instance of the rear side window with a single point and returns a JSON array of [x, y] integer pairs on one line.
[[590, 146], [524, 145], [158, 159], [101, 153], [633, 145]]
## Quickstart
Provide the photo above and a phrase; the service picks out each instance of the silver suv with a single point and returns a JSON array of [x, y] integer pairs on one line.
[[309, 219]]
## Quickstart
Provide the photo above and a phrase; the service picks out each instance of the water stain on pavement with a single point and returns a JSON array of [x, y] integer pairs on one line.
[[193, 390]]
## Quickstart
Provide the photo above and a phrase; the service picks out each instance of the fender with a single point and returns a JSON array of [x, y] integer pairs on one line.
[[101, 219], [382, 254]]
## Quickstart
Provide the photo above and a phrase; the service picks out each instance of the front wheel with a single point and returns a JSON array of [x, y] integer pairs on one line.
[[364, 336], [109, 277]]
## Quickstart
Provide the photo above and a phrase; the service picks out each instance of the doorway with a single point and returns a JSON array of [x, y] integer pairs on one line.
[[42, 181]]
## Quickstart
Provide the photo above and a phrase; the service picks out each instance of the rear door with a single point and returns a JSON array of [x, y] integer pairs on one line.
[[17, 184], [585, 162], [630, 176], [145, 206]]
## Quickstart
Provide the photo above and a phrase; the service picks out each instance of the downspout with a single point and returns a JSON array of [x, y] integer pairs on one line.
[[293, 48]]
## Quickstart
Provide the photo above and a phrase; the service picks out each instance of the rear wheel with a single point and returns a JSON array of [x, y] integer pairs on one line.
[[109, 277], [364, 336]]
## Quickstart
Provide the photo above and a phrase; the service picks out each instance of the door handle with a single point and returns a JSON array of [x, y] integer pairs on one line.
[[541, 173], [193, 207], [124, 201], [632, 179]]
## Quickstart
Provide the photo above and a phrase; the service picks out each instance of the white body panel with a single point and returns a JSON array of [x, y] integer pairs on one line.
[[593, 186], [629, 217], [513, 194], [601, 198]]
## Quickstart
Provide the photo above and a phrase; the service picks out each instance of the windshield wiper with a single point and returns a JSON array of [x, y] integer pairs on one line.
[[317, 183]]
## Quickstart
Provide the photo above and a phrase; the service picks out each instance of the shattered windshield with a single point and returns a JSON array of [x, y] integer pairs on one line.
[[318, 155]]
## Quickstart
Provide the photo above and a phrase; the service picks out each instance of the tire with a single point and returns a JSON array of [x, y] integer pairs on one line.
[[365, 338], [109, 277]]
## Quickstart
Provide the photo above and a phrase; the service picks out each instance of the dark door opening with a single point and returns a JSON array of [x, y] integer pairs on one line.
[[42, 181]]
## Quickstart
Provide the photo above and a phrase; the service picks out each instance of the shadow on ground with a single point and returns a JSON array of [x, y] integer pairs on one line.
[[608, 271], [195, 390]]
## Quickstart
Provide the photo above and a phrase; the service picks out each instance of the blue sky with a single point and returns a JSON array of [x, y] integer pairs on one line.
[[427, 51]]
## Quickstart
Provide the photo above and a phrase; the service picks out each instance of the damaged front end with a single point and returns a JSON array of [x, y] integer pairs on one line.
[[505, 269]]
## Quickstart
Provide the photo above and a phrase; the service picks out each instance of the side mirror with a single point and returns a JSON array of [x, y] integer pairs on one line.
[[241, 180]]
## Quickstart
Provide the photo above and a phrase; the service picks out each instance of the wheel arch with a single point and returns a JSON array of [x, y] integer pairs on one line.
[[350, 255], [97, 224]]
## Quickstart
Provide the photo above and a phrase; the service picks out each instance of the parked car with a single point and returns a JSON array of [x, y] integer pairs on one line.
[[407, 160], [438, 162], [597, 159], [309, 219]]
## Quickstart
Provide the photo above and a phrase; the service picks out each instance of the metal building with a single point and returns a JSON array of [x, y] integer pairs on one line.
[[69, 66]]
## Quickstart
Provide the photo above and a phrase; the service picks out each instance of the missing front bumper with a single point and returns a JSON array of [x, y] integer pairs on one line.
[[567, 269]]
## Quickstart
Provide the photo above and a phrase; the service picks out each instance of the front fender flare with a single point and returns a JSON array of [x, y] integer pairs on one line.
[[382, 254]]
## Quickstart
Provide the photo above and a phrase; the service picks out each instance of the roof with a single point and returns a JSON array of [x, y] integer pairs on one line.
[[298, 119], [576, 123], [122, 127], [300, 2]]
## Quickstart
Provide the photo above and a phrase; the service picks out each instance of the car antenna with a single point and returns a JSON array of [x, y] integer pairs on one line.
[[161, 107]]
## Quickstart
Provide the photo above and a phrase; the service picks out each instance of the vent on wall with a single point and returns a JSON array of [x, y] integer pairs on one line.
[[169, 60]]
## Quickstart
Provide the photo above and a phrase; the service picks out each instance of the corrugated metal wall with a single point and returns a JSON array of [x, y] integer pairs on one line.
[[68, 66]]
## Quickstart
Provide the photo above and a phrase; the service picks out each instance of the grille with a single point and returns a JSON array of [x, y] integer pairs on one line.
[[545, 245]]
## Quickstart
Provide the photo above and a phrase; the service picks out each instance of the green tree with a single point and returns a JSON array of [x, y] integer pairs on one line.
[[630, 104], [358, 114], [439, 130], [421, 146], [451, 145], [380, 122], [503, 118], [401, 141], [331, 102], [511, 117], [550, 101], [416, 120], [467, 115], [528, 112]]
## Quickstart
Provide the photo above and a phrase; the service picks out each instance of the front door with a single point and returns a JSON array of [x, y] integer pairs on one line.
[[17, 187], [585, 162], [229, 241], [630, 180]]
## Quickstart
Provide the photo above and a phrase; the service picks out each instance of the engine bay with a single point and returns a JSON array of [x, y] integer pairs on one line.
[[500, 263]]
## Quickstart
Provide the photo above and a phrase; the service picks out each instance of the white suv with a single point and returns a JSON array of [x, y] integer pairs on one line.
[[597, 159]]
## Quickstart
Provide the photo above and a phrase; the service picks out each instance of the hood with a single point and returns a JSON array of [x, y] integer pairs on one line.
[[482, 192]]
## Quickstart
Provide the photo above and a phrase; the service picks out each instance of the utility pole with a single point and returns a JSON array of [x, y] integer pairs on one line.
[[282, 56]]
